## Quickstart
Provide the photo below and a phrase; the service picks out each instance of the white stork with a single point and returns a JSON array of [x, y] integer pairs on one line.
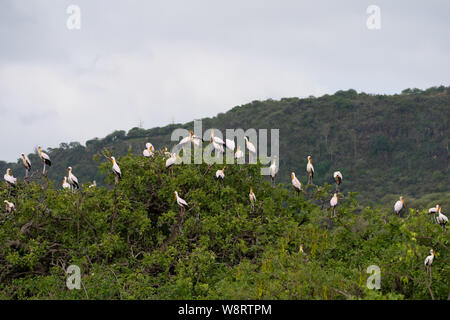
[[399, 205], [9, 206], [181, 203], [230, 144], [116, 170], [273, 169], [171, 161], [429, 260], [238, 154], [436, 209], [337, 175], [217, 144], [65, 184], [191, 138], [45, 159], [220, 174], [252, 198], [250, 146], [165, 152], [73, 181], [441, 218], [149, 150], [10, 178], [310, 170], [26, 163], [334, 202], [296, 183]]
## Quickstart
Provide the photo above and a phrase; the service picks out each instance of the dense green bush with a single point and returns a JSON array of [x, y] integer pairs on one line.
[[131, 242]]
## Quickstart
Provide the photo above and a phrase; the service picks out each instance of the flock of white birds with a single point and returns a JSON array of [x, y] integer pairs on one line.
[[71, 182]]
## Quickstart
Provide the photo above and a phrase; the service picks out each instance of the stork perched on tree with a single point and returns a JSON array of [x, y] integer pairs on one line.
[[250, 146], [45, 159], [337, 175], [429, 260], [65, 184], [116, 170], [9, 178], [191, 138], [238, 154], [181, 203], [296, 183], [217, 144], [310, 170], [333, 203], [273, 169], [252, 198], [73, 181], [26, 163], [399, 205], [441, 218], [149, 150], [9, 206], [220, 174]]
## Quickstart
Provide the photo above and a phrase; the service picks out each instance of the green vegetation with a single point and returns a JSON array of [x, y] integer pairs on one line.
[[131, 242], [385, 145]]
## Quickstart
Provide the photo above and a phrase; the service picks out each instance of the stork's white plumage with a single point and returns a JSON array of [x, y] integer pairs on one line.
[[250, 146], [115, 168], [181, 202], [429, 260], [149, 150], [26, 163], [333, 203], [296, 183], [442, 219], [65, 184], [230, 144], [171, 161], [337, 175], [217, 147], [44, 158], [9, 206], [73, 181], [334, 200], [436, 209], [273, 169], [191, 138], [239, 154], [216, 139], [310, 170], [9, 177], [220, 174], [398, 206]]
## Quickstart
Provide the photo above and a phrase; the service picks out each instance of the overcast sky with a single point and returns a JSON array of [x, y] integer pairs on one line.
[[158, 62]]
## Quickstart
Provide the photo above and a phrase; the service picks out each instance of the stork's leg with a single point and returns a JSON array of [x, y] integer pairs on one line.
[[43, 170]]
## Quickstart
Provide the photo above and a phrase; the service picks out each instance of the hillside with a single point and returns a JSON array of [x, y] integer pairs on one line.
[[131, 241], [385, 145]]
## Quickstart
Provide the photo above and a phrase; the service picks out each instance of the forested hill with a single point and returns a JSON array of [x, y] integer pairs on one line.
[[385, 145]]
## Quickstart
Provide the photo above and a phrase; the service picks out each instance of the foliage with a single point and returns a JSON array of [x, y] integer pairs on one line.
[[131, 241]]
